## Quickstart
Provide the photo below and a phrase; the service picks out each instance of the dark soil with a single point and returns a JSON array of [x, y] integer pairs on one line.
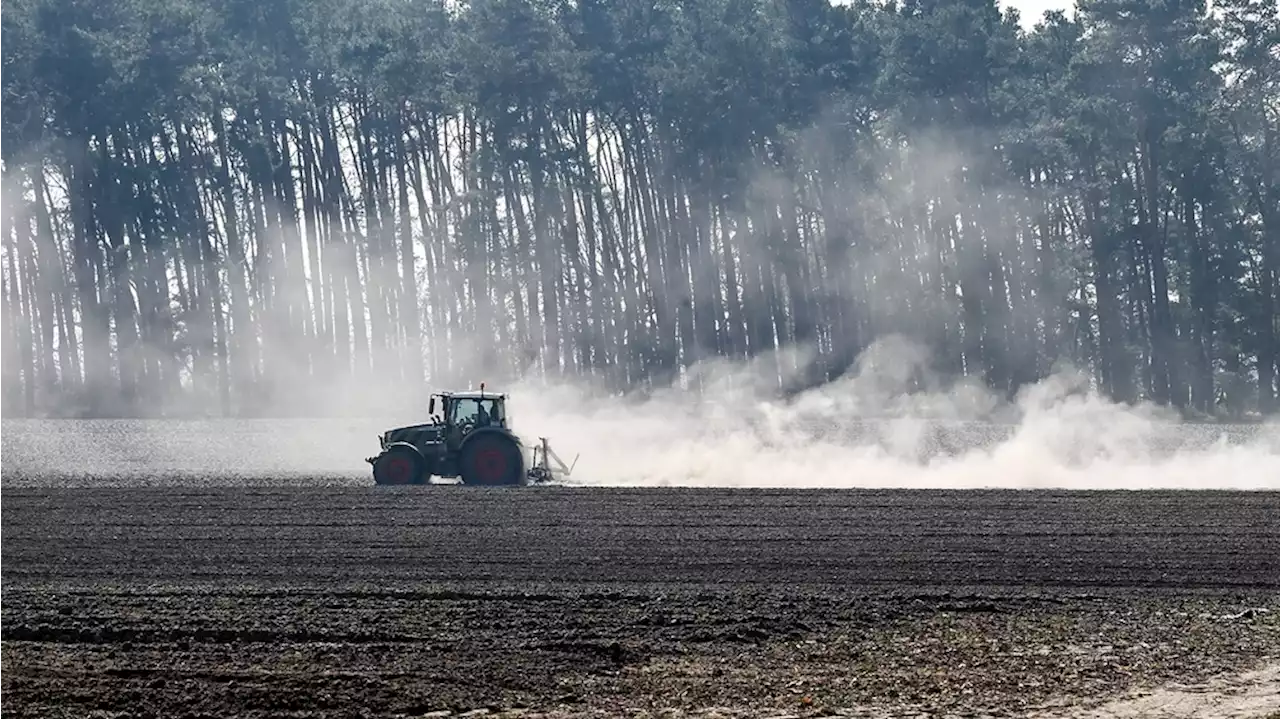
[[326, 602]]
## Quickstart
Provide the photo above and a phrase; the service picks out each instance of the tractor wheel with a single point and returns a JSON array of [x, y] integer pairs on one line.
[[399, 465], [492, 460]]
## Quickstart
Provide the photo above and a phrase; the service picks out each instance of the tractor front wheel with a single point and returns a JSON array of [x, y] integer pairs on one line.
[[492, 460], [399, 465]]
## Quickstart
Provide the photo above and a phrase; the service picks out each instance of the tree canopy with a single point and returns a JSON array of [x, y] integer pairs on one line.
[[218, 206]]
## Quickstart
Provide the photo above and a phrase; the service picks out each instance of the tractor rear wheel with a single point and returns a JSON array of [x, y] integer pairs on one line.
[[492, 459], [399, 465]]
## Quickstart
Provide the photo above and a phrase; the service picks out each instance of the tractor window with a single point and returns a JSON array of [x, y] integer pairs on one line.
[[480, 412]]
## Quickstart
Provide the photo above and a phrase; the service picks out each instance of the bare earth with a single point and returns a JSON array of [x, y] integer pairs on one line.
[[345, 601]]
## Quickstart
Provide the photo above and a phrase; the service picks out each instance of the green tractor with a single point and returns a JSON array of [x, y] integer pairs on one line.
[[472, 440]]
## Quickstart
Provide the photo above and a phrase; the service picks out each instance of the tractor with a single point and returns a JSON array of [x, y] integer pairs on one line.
[[471, 439]]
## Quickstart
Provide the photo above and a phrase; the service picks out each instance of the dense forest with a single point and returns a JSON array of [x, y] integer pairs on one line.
[[220, 206]]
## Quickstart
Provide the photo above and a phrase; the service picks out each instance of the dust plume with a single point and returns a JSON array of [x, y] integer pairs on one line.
[[889, 422], [882, 426]]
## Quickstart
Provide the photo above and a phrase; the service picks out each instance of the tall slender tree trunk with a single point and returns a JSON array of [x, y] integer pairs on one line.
[[11, 390], [408, 269], [87, 258]]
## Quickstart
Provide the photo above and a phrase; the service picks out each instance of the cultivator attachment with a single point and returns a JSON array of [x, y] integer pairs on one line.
[[541, 469]]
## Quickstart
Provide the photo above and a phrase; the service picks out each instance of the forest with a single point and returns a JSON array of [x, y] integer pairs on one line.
[[216, 207]]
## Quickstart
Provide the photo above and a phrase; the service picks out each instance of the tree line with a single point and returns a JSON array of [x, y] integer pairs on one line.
[[224, 206]]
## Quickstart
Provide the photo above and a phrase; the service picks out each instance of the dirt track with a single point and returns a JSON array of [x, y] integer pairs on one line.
[[351, 602]]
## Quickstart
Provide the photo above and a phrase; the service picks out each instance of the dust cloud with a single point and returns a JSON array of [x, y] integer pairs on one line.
[[890, 423]]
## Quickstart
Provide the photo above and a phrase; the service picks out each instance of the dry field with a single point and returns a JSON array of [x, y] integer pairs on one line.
[[335, 601]]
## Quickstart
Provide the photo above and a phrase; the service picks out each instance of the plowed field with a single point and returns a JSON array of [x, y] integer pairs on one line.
[[346, 601]]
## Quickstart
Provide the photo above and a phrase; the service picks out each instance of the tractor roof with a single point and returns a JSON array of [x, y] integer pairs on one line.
[[474, 394]]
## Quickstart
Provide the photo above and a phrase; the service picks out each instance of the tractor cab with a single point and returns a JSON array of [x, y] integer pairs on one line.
[[464, 412]]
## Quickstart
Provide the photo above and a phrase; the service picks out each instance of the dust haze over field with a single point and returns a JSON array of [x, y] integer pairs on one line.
[[890, 422], [873, 430]]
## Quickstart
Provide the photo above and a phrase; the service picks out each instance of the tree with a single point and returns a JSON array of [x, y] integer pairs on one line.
[[281, 207]]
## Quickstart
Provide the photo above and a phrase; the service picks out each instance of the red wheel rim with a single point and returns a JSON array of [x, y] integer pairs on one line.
[[491, 464], [399, 469]]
